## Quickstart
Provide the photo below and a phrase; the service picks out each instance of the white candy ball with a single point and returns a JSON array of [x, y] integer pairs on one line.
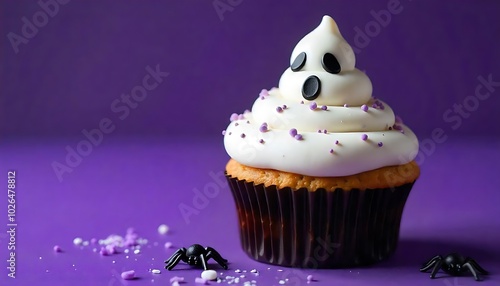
[[209, 275], [163, 229]]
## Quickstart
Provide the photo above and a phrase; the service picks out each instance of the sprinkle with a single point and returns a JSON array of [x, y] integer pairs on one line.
[[261, 141], [284, 106], [223, 132], [57, 248], [293, 132], [176, 279], [248, 121], [364, 137], [319, 130], [233, 117], [241, 116], [298, 137], [242, 135], [175, 283], [264, 92], [168, 244], [77, 241], [324, 131], [336, 142], [324, 107], [163, 229], [137, 251], [246, 111], [310, 278], [397, 127], [331, 151], [398, 120], [254, 271], [128, 275], [237, 271], [199, 280], [236, 124], [93, 240], [346, 105], [282, 282], [380, 144], [313, 105], [230, 132], [279, 109], [263, 128], [155, 271], [104, 252], [364, 107], [301, 102], [374, 105]]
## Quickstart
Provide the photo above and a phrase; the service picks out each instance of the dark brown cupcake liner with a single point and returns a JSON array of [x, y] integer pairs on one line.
[[318, 229]]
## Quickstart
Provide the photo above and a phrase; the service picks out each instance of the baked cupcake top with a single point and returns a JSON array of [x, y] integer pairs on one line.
[[322, 120]]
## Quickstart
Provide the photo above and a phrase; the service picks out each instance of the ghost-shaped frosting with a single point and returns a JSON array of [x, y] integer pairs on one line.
[[322, 68]]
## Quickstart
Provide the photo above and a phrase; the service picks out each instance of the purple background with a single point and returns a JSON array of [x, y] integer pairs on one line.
[[65, 78]]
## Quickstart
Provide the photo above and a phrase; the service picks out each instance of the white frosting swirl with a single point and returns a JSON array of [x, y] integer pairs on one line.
[[362, 133]]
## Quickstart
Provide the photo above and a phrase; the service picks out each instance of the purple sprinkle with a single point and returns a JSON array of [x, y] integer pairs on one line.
[[293, 132], [398, 120], [301, 102], [380, 144], [319, 130], [364, 137], [223, 132], [241, 116], [346, 105], [236, 124], [233, 117], [324, 131], [200, 280], [298, 137], [248, 121], [176, 279], [262, 97], [168, 244], [313, 105], [310, 278], [381, 106], [324, 107], [374, 105], [336, 142], [261, 141], [246, 111], [279, 109], [242, 135], [397, 127], [230, 132], [57, 248], [264, 92], [331, 151], [128, 275], [263, 128], [103, 252], [284, 106], [364, 107]]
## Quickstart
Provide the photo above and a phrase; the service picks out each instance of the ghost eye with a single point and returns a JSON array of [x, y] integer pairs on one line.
[[330, 63], [299, 62]]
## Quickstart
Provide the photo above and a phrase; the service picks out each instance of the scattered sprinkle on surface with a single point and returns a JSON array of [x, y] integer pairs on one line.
[[364, 137], [163, 229], [209, 275], [77, 241], [364, 107], [176, 279], [155, 271], [293, 132], [380, 144], [279, 109], [242, 135], [128, 275], [313, 105], [168, 244], [324, 107], [57, 248], [298, 137], [202, 281]]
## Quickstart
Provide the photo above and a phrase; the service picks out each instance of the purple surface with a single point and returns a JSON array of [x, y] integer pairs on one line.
[[427, 58], [141, 183]]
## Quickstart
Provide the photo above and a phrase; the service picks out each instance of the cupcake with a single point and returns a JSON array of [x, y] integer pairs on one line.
[[320, 169]]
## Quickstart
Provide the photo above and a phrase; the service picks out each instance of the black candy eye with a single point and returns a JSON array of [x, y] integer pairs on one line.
[[330, 63], [299, 62]]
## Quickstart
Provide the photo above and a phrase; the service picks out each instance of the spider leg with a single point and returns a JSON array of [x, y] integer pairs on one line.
[[179, 251], [214, 254], [436, 268], [203, 261], [472, 270], [476, 265], [174, 261], [428, 265]]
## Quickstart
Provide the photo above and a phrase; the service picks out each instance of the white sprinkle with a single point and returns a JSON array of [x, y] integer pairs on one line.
[[40, 257], [168, 244], [282, 282], [128, 275], [155, 271], [137, 251], [77, 241], [280, 270], [254, 271], [126, 250], [113, 262], [209, 275], [237, 271], [163, 229], [242, 276], [85, 243], [175, 283], [126, 256]]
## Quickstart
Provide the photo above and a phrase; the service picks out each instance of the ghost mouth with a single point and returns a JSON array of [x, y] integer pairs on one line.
[[311, 88]]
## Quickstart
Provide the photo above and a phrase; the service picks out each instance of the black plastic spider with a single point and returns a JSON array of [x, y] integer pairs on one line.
[[454, 264], [196, 255]]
